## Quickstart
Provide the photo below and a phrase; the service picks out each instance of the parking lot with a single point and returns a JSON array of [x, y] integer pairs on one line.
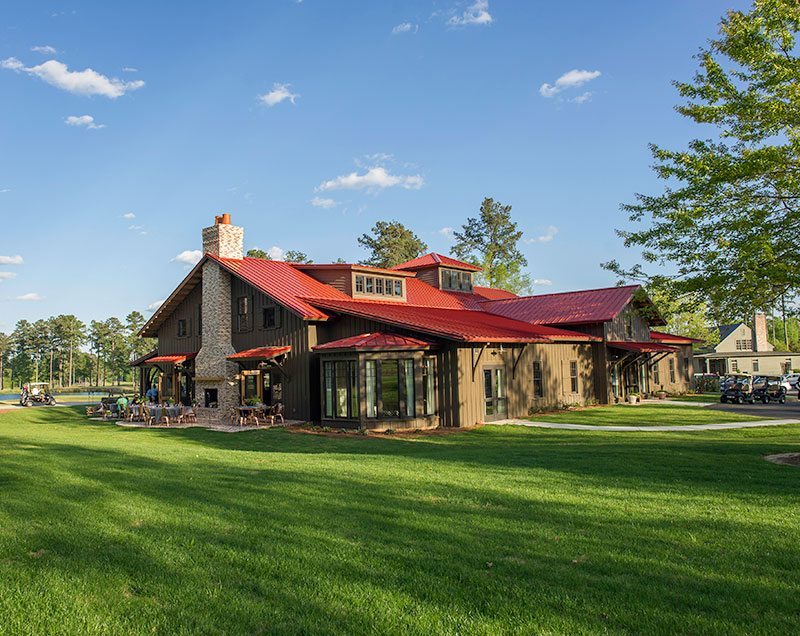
[[770, 411]]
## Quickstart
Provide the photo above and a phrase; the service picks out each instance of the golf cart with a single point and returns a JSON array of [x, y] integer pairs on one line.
[[736, 388], [768, 388], [36, 393]]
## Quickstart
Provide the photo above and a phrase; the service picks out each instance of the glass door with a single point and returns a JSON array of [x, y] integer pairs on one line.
[[494, 393]]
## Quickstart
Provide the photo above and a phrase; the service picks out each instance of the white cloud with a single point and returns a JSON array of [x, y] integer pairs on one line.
[[44, 50], [374, 179], [570, 79], [447, 232], [129, 216], [476, 13], [549, 235], [279, 93], [277, 253], [4, 190], [134, 228], [543, 282], [582, 98], [129, 69], [85, 121], [12, 64], [85, 82], [189, 257], [11, 260], [30, 296], [405, 27], [319, 202], [7, 275], [155, 305]]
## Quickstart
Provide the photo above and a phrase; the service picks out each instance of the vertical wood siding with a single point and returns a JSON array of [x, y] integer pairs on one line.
[[168, 340]]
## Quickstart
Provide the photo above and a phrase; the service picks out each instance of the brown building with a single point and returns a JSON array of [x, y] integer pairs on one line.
[[419, 345]]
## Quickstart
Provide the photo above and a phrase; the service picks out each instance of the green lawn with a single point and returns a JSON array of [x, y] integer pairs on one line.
[[703, 397], [644, 415], [105, 530]]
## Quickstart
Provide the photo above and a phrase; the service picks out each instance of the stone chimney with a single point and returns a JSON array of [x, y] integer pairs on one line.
[[760, 342], [223, 239], [215, 375]]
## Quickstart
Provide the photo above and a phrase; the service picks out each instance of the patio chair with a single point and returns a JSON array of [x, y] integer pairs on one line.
[[147, 415], [266, 416], [277, 413], [188, 415]]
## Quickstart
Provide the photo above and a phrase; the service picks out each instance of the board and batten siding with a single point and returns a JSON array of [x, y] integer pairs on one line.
[[466, 398], [615, 329], [168, 340], [298, 384], [684, 371]]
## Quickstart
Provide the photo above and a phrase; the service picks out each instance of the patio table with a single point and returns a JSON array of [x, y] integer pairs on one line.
[[170, 412], [246, 411]]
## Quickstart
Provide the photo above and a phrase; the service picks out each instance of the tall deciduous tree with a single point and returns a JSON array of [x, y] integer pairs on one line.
[[727, 220], [391, 243], [296, 256], [491, 241], [258, 253]]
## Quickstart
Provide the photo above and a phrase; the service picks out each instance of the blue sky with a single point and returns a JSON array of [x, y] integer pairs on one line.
[[309, 121]]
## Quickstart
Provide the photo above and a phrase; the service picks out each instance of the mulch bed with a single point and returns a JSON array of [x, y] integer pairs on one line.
[[410, 433], [788, 459]]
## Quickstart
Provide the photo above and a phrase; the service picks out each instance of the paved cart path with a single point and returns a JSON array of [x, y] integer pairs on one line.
[[627, 429]]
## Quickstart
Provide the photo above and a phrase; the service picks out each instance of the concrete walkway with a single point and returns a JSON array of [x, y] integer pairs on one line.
[[628, 429]]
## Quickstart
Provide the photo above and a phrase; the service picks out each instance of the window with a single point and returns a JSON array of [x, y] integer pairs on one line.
[[340, 389], [270, 317], [369, 285], [573, 376], [388, 287], [538, 384], [360, 284], [755, 365], [628, 326], [787, 365], [456, 280], [182, 330], [379, 286], [429, 385], [409, 394], [656, 374], [672, 370], [398, 288], [372, 388], [735, 366], [390, 388], [243, 313], [686, 367], [744, 345]]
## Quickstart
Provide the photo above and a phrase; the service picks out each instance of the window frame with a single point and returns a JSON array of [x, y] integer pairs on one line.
[[183, 328], [573, 377], [429, 386], [244, 313], [331, 387], [270, 307], [538, 380], [671, 365]]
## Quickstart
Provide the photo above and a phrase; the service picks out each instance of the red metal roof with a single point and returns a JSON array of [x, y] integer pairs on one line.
[[283, 282], [375, 341], [491, 293], [260, 353], [580, 307], [641, 347], [356, 267], [454, 324], [172, 358], [669, 338], [434, 260]]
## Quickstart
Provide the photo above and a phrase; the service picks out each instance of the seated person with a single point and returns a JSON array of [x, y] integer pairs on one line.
[[122, 405]]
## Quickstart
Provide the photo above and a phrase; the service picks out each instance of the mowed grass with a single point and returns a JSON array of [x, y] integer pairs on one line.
[[644, 415], [106, 530], [700, 397]]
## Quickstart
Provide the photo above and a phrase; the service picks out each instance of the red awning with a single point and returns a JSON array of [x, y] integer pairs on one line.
[[641, 347], [375, 342], [259, 353], [172, 358]]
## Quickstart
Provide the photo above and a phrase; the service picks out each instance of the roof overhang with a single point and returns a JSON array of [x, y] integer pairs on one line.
[[141, 360], [371, 342], [259, 354], [641, 347], [170, 358]]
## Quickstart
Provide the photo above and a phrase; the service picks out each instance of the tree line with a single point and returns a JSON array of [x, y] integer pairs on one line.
[[65, 352]]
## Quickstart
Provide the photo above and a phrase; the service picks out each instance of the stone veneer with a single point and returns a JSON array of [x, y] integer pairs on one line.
[[212, 369], [224, 240]]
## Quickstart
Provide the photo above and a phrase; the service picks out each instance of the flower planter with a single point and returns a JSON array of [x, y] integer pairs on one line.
[[661, 395], [633, 399]]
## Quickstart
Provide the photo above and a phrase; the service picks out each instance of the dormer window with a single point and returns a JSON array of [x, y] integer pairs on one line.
[[378, 286], [456, 280]]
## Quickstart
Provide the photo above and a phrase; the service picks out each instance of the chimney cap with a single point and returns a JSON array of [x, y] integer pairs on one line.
[[222, 219]]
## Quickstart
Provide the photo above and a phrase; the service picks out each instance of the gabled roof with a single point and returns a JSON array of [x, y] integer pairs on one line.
[[375, 342], [576, 308], [283, 282], [354, 267], [669, 338], [727, 330], [453, 324], [492, 293], [434, 260]]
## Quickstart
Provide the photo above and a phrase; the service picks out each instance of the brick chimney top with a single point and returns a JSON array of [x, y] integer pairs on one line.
[[760, 342], [223, 239]]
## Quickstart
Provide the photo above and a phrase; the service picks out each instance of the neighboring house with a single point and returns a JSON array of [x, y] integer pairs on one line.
[[416, 346], [742, 349]]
